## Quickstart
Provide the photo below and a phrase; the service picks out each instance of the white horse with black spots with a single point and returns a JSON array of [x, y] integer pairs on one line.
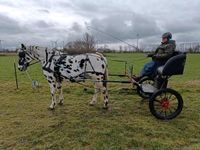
[[75, 68]]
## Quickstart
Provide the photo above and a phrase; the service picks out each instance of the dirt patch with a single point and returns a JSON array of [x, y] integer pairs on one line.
[[8, 54], [192, 83]]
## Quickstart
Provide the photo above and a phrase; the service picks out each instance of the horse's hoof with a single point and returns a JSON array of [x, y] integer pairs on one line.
[[60, 103], [91, 104], [105, 107], [51, 109]]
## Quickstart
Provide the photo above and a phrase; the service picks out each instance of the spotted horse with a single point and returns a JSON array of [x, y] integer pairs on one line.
[[75, 68]]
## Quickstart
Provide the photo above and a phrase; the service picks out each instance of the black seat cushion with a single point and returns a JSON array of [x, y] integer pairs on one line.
[[174, 66]]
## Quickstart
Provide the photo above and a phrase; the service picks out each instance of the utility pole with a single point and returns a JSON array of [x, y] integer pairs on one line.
[[54, 44], [137, 41], [63, 42], [1, 48], [97, 44]]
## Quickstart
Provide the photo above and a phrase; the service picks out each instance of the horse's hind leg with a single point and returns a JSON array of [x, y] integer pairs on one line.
[[53, 95], [105, 95]]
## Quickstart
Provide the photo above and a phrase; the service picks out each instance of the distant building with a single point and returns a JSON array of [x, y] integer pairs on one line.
[[103, 49]]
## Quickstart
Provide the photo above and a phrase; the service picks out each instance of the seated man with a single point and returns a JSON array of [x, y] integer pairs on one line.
[[159, 57]]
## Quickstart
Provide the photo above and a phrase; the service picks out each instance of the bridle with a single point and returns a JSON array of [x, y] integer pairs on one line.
[[22, 55]]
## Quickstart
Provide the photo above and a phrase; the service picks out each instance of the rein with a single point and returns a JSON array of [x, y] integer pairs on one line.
[[34, 63]]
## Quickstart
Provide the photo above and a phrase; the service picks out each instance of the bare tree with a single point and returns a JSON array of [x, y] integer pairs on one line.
[[85, 45], [89, 41]]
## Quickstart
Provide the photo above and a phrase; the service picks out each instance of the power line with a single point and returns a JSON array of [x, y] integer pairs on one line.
[[88, 26]]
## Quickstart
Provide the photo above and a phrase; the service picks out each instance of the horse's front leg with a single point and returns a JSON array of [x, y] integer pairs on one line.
[[53, 95], [94, 97], [60, 92]]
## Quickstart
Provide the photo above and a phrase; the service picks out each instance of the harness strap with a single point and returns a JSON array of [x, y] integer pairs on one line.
[[73, 79], [90, 63], [48, 61], [29, 55], [85, 66], [47, 69], [34, 63], [46, 54]]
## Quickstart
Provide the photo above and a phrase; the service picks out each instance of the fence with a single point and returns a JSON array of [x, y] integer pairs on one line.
[[193, 47], [8, 72]]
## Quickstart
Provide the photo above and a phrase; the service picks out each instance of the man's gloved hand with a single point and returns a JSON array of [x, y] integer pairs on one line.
[[154, 56], [150, 55]]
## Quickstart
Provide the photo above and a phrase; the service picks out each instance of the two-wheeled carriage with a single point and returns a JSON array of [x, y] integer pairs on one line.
[[164, 103]]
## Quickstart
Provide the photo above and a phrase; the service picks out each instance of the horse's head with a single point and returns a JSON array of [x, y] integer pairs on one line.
[[25, 57]]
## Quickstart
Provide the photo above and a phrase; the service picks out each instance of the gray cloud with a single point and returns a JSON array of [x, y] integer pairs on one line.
[[181, 26], [43, 24], [193, 36], [44, 11], [125, 26], [76, 27], [9, 26], [43, 21]]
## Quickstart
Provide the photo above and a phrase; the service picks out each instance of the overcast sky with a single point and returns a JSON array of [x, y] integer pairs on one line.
[[42, 21]]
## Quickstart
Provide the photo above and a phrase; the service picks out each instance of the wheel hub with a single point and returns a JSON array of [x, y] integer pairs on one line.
[[165, 104]]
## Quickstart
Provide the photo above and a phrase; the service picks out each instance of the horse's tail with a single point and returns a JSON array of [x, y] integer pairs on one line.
[[100, 54], [105, 76], [105, 73], [102, 57]]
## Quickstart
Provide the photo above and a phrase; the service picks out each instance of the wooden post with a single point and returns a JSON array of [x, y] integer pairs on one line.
[[16, 80], [125, 68]]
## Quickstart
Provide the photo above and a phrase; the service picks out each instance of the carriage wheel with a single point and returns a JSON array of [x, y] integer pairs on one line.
[[166, 104], [145, 80]]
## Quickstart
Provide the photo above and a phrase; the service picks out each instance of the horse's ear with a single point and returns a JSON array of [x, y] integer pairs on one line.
[[23, 46]]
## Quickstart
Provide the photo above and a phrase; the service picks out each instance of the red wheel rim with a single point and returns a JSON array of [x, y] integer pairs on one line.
[[165, 103]]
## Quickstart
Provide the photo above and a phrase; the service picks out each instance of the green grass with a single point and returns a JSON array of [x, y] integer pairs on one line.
[[25, 122]]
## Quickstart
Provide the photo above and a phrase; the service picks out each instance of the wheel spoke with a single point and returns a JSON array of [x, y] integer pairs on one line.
[[157, 105], [174, 103], [165, 114], [170, 111], [173, 108], [162, 96], [170, 96], [158, 108], [157, 101], [174, 98], [165, 95], [161, 112]]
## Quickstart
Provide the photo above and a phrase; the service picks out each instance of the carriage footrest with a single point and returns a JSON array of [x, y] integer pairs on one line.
[[76, 80], [148, 88]]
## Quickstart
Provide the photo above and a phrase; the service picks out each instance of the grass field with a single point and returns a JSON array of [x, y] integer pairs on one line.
[[25, 122]]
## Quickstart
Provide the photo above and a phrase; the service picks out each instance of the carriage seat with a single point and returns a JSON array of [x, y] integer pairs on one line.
[[174, 66]]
